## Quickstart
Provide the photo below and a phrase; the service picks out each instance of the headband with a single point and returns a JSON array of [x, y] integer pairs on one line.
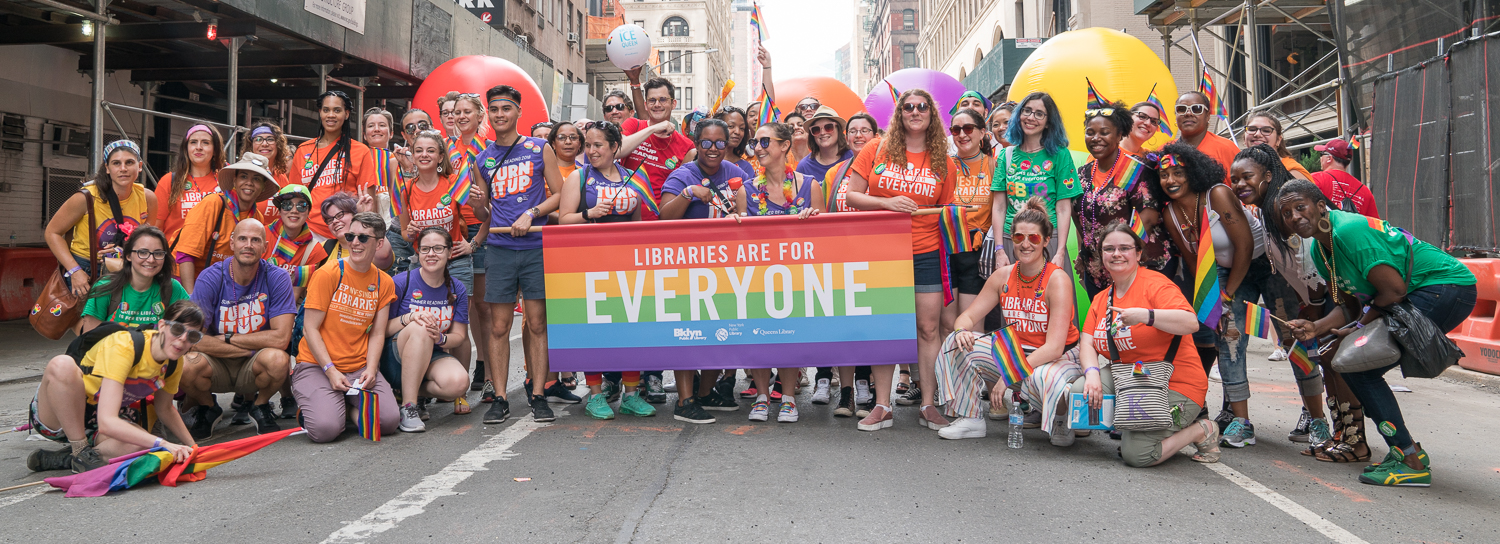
[[261, 130], [122, 144], [499, 98], [969, 94], [196, 128], [1168, 161]]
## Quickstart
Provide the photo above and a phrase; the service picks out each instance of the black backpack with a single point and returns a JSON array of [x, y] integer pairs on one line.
[[81, 345]]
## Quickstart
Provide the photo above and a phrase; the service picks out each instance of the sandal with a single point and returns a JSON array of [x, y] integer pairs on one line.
[[1341, 448], [570, 382], [1208, 448], [461, 406], [905, 384]]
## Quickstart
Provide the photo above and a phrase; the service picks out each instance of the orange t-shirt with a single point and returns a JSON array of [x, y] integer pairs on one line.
[[194, 236], [352, 176], [1221, 149], [1293, 166], [269, 206], [351, 305], [913, 180], [296, 266], [1025, 308], [1142, 343], [173, 214], [435, 208]]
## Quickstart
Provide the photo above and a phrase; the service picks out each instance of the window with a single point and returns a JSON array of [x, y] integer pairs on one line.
[[908, 19], [674, 62], [674, 26], [687, 99], [687, 62], [641, 24], [908, 56], [1020, 19]]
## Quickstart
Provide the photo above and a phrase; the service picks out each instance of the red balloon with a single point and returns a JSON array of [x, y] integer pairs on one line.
[[477, 74], [829, 92]]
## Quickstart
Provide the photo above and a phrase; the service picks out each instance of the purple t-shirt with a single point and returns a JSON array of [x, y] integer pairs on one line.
[[810, 166], [758, 203], [691, 174], [414, 295], [746, 168], [514, 175], [242, 308]]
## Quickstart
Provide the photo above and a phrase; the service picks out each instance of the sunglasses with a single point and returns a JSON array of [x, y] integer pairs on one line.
[[143, 254], [363, 238], [713, 144], [1035, 239], [763, 141], [294, 206], [965, 129], [914, 106], [819, 129], [614, 107], [180, 330], [1197, 109], [419, 126]]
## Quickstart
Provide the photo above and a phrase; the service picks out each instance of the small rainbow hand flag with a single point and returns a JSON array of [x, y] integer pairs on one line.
[[1299, 356], [1206, 85], [1206, 297], [1257, 320], [768, 111], [723, 95], [757, 21], [367, 413], [1130, 175], [1137, 225], [1166, 128], [1096, 100], [1009, 357], [895, 96], [642, 187], [954, 228]]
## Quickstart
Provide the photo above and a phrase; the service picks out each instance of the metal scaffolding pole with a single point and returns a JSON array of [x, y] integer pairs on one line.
[[1252, 50], [96, 113], [234, 89]]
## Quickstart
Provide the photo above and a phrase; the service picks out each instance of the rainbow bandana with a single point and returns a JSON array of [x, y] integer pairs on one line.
[[504, 99], [639, 183], [968, 94], [1009, 357]]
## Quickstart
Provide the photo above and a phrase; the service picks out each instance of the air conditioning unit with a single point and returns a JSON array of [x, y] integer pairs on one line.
[[572, 37], [541, 22]]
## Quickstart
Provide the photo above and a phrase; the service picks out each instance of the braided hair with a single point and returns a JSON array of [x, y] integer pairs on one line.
[[342, 145], [1277, 176]]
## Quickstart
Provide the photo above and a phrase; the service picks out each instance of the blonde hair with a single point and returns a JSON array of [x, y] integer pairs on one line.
[[935, 141], [455, 96]]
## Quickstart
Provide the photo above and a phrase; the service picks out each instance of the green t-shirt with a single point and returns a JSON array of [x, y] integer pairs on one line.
[[1361, 243], [1051, 176], [136, 307]]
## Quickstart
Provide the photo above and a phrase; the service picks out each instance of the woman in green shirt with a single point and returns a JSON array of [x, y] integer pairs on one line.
[[141, 290], [1039, 165], [1368, 258]]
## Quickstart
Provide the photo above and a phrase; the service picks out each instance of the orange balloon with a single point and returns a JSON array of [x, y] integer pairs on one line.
[[829, 91]]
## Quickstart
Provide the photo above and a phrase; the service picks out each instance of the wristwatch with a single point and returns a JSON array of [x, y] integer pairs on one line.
[[533, 212], [229, 338]]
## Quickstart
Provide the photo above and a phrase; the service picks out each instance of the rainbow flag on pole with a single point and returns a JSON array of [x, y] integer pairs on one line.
[[757, 21], [1299, 356], [1009, 357], [768, 111], [1136, 225], [1166, 128], [642, 186], [1096, 100], [366, 413], [895, 96], [1206, 294], [954, 228], [1257, 320]]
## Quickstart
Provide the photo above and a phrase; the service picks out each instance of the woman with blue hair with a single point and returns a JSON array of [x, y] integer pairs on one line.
[[1039, 165]]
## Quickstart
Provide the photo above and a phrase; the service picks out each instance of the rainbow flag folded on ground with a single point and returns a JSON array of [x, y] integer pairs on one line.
[[1166, 128], [366, 413], [1009, 357], [130, 470], [642, 186], [1299, 355], [1206, 295], [1257, 320]]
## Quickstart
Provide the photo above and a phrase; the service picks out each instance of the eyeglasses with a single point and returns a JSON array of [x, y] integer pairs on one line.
[[181, 330], [1197, 109], [860, 131], [337, 216], [363, 238], [432, 250], [419, 126], [614, 108], [763, 141], [144, 254], [819, 129], [289, 206], [658, 100], [1037, 114], [263, 140], [1143, 116], [567, 138], [712, 144], [1035, 239], [1267, 130], [1117, 249], [965, 129], [917, 106], [446, 113]]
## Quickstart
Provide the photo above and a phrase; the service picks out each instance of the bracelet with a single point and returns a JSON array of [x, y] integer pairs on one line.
[[1093, 368], [327, 366], [71, 271], [1150, 317], [157, 443], [442, 339]]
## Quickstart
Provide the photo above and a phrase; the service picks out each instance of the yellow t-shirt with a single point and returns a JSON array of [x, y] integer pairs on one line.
[[351, 305], [133, 206], [110, 358]]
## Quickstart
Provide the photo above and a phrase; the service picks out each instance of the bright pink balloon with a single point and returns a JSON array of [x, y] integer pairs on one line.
[[944, 89], [477, 74]]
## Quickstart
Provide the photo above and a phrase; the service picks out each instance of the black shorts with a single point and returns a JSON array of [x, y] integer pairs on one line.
[[963, 272], [926, 276]]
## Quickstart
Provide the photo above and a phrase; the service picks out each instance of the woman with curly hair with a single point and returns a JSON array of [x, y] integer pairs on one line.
[[738, 121], [1038, 165], [1191, 179], [903, 172], [1114, 189]]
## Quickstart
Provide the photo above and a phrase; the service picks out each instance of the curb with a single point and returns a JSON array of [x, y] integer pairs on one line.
[[22, 379], [1457, 374]]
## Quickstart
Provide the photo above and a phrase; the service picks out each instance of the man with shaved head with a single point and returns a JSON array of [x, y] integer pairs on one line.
[[250, 309]]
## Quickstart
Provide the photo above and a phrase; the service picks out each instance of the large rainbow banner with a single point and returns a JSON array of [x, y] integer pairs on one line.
[[832, 290]]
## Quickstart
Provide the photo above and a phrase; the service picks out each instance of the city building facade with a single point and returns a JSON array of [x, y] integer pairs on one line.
[[692, 43], [893, 27]]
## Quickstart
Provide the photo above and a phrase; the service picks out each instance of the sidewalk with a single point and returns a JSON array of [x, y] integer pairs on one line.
[[23, 352]]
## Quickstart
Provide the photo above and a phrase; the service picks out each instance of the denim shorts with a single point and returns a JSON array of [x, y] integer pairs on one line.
[[478, 253], [512, 271], [390, 361], [926, 275], [462, 269]]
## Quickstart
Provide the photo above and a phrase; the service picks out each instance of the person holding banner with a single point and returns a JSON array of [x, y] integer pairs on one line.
[[1138, 323], [828, 147], [1026, 292], [908, 170]]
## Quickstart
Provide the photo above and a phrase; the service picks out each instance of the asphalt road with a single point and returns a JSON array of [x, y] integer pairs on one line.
[[818, 480]]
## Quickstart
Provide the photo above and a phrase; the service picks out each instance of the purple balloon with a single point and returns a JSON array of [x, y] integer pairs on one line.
[[944, 89]]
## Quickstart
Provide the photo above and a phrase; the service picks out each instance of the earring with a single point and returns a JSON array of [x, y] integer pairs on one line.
[[1324, 225]]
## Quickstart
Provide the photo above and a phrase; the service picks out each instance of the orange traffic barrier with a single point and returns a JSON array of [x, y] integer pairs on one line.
[[1479, 335]]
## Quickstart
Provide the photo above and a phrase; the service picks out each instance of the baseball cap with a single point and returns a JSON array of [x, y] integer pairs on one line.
[[1339, 149]]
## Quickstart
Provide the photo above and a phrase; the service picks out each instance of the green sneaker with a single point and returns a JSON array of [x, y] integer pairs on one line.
[[598, 407], [1394, 456], [1397, 474], [633, 404]]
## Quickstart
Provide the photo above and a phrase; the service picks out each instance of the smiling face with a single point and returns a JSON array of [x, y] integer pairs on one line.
[[971, 103], [264, 145], [174, 347], [1248, 179], [149, 266], [1261, 131], [860, 133], [1174, 182], [123, 166], [378, 131], [598, 149], [247, 185], [503, 115], [1033, 117], [433, 250], [659, 104], [828, 133], [427, 152], [1300, 215], [446, 112], [1146, 124], [711, 157], [1121, 257], [293, 219], [466, 116], [419, 120], [339, 223], [200, 149], [361, 252], [248, 242], [737, 128], [998, 123], [1027, 251], [615, 110], [916, 114], [1101, 137], [332, 113], [967, 134], [775, 153], [567, 143]]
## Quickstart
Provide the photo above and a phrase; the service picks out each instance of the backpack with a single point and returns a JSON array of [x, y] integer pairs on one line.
[[81, 345]]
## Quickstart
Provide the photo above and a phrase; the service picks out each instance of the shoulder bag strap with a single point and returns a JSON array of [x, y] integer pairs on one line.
[[114, 207], [88, 199], [332, 151], [583, 201], [1109, 328]]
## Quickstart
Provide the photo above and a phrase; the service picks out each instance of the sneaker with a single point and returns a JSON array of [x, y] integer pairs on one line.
[[288, 407], [760, 411], [1278, 355], [1061, 436], [999, 411], [1300, 432], [1033, 420], [655, 394], [539, 409], [1319, 432], [241, 408], [788, 413], [802, 380], [1395, 473], [863, 393], [610, 390], [422, 403], [633, 404], [204, 418], [964, 427], [1239, 433], [1394, 456], [557, 392], [846, 403], [912, 395], [87, 459], [880, 418], [499, 411], [598, 407], [820, 393], [478, 383], [411, 419], [1213, 375], [863, 410], [719, 402], [725, 386], [265, 419], [1223, 419], [43, 460], [691, 412], [489, 393], [750, 393], [930, 417]]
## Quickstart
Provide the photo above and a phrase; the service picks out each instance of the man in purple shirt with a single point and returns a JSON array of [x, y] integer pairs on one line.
[[250, 308]]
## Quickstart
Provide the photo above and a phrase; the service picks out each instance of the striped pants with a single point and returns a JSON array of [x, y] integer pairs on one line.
[[962, 377]]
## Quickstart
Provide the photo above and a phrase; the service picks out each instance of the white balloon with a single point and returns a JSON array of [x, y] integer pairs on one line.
[[628, 47]]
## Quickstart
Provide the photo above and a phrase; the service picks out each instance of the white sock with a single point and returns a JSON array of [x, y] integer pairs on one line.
[[762, 398]]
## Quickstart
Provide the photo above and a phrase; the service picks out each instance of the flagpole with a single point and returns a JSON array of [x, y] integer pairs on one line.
[[15, 487]]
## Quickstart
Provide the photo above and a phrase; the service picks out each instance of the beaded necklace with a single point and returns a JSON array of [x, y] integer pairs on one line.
[[1100, 183], [1333, 271]]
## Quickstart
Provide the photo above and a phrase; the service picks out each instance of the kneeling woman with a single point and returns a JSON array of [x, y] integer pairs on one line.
[[1142, 317], [430, 317], [1026, 292]]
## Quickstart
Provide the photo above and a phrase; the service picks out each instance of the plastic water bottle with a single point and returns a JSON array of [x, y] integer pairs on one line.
[[1016, 420]]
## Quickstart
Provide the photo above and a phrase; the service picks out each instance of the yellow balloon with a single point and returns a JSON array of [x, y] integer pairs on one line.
[[1121, 67]]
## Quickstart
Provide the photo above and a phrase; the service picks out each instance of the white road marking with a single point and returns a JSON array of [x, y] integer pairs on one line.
[[1318, 523], [23, 495], [516, 337], [441, 484]]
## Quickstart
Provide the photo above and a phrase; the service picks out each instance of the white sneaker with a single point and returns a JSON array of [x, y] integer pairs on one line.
[[1213, 375], [1061, 435], [820, 394], [760, 411], [788, 412], [964, 427], [862, 391], [411, 419], [1278, 355]]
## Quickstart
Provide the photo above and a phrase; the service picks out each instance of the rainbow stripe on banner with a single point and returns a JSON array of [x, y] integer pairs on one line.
[[715, 294], [1009, 357], [642, 187], [1166, 128], [1206, 297], [367, 413], [757, 21], [1257, 320], [1299, 356]]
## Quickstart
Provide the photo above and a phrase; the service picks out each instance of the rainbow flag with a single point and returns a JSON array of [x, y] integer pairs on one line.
[[131, 470], [366, 413], [707, 294], [1206, 85], [1009, 357], [832, 180], [1129, 175], [768, 111], [895, 97], [758, 22], [1206, 296], [1166, 128], [723, 95], [1299, 356], [954, 228], [642, 186], [1136, 225], [1257, 320], [1096, 100], [468, 170]]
